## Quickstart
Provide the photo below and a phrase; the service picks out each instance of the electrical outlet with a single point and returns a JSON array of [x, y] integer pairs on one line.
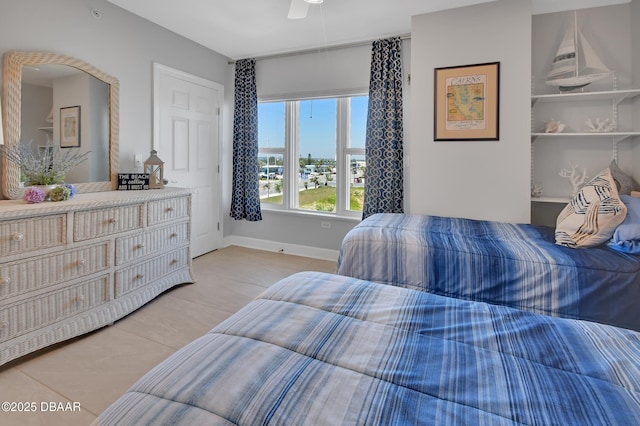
[[325, 225], [137, 160]]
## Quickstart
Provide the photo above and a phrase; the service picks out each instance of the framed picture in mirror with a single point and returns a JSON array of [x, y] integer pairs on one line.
[[70, 127]]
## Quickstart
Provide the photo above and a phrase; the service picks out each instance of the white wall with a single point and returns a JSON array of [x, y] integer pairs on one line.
[[474, 179], [120, 44], [635, 54]]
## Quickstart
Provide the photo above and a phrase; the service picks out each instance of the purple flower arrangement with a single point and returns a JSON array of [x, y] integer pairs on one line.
[[33, 195]]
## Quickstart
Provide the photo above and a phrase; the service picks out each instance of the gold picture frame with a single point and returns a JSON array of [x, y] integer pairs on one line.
[[467, 102], [70, 127]]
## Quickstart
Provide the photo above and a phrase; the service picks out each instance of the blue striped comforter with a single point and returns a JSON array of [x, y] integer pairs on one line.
[[321, 349], [501, 263]]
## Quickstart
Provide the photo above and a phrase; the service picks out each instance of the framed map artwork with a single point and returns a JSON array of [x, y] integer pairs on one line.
[[467, 102]]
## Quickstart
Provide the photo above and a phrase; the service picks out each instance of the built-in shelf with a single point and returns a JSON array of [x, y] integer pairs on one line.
[[560, 200], [46, 129], [616, 95], [617, 136], [611, 99]]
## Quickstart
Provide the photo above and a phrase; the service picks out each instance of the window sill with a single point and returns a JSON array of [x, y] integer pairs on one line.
[[311, 214]]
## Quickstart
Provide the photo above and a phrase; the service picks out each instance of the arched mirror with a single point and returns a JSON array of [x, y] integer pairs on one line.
[[40, 90]]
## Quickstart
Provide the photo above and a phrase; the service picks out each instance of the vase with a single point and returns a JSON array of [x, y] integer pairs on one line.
[[46, 189]]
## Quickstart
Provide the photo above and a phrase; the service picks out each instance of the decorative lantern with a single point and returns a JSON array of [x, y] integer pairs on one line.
[[155, 168]]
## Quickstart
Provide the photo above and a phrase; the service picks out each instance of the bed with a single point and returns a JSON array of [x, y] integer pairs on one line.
[[323, 349], [516, 265]]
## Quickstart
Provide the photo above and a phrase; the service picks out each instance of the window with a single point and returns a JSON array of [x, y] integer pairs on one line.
[[311, 154]]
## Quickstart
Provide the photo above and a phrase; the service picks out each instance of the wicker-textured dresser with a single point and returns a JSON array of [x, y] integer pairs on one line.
[[70, 267]]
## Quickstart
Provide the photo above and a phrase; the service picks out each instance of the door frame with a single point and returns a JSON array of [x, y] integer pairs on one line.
[[160, 69]]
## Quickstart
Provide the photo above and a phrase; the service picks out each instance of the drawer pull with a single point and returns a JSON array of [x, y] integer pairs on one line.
[[173, 261], [5, 280], [80, 262], [113, 221], [3, 325], [140, 246], [78, 298], [169, 209], [138, 277], [17, 237], [173, 235]]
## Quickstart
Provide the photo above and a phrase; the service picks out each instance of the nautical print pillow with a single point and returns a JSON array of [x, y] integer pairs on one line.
[[593, 214]]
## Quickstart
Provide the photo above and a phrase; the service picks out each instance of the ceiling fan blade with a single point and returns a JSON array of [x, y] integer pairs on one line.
[[298, 9]]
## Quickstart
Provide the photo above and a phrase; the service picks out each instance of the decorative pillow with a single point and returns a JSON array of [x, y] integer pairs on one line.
[[624, 182], [593, 214], [626, 237]]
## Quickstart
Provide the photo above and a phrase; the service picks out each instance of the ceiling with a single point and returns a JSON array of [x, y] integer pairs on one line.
[[252, 28]]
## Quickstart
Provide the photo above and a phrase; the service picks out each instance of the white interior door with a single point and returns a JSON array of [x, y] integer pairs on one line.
[[187, 138]]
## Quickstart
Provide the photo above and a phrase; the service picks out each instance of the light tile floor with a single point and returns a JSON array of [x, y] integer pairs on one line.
[[94, 369]]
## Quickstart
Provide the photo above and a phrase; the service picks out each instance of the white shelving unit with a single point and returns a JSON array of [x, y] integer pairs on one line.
[[612, 98]]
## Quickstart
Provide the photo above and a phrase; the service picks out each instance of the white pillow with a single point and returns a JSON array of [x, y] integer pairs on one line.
[[593, 214]]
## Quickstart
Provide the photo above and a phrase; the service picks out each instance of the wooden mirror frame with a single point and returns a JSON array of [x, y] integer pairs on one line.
[[12, 110]]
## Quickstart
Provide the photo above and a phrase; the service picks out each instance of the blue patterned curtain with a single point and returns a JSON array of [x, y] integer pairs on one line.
[[245, 198], [383, 191]]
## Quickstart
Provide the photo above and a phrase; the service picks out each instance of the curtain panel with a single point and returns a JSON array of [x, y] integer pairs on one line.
[[245, 198], [384, 139]]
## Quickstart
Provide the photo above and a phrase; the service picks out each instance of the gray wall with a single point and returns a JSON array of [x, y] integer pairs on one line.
[[120, 44], [34, 114], [474, 179]]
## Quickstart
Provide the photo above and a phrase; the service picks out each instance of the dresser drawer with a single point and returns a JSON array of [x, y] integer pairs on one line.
[[23, 235], [165, 210], [31, 314], [130, 279], [154, 241], [37, 272], [97, 223]]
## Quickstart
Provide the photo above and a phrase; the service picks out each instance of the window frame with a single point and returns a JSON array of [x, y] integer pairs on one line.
[[291, 156]]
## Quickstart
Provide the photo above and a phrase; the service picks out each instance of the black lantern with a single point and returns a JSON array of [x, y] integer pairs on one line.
[[155, 168]]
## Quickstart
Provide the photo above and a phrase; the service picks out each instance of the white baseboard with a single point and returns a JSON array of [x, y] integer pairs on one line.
[[294, 249]]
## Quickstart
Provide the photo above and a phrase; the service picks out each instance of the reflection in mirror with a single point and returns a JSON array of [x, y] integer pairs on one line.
[[48, 90], [38, 87]]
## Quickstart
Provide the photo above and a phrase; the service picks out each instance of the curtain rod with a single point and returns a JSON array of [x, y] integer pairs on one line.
[[322, 49]]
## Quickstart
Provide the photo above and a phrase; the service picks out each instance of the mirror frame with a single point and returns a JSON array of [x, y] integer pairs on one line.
[[12, 110]]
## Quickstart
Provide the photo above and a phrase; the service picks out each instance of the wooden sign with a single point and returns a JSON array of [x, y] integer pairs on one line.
[[133, 181]]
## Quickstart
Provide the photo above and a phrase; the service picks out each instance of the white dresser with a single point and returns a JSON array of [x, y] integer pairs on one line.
[[70, 267]]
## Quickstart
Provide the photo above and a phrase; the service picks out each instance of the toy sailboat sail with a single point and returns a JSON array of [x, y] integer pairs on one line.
[[576, 64]]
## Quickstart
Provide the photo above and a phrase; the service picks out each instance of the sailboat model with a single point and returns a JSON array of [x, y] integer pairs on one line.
[[576, 64]]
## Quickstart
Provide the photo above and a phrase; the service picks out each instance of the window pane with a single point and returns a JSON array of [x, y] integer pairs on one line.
[[357, 169], [358, 106], [271, 175], [271, 124], [317, 147]]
